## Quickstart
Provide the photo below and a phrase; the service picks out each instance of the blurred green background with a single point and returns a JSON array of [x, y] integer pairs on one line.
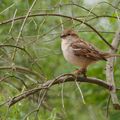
[[40, 38]]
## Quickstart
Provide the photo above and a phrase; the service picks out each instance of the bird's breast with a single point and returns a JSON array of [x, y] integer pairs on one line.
[[71, 57]]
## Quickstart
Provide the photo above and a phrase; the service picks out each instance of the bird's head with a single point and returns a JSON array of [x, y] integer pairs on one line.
[[68, 34]]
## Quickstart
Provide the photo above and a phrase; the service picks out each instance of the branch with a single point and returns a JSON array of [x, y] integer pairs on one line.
[[60, 15], [109, 5], [101, 16], [58, 80], [23, 49], [77, 5], [21, 29], [109, 71], [20, 69]]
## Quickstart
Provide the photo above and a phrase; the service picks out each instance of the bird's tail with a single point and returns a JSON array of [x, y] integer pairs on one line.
[[109, 55]]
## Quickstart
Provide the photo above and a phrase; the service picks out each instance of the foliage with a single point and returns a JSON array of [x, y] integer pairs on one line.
[[40, 38]]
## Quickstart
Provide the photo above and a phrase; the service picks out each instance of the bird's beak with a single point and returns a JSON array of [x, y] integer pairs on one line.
[[62, 36]]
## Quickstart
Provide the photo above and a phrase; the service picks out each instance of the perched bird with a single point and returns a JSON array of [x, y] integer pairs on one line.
[[81, 53]]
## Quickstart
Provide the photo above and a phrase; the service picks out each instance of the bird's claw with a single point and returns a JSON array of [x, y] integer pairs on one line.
[[79, 72]]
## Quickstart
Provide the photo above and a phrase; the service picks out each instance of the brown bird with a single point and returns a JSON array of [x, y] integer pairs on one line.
[[81, 53]]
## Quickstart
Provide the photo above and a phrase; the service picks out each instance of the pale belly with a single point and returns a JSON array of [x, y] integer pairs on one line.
[[75, 60]]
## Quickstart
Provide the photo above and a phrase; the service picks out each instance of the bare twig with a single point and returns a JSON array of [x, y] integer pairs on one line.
[[7, 8], [37, 109], [20, 69], [80, 91], [74, 4], [109, 5], [23, 49], [13, 21]]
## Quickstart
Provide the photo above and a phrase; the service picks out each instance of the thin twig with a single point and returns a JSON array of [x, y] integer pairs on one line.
[[12, 21], [21, 29], [74, 4], [7, 8], [109, 5], [80, 91], [23, 49], [37, 109], [62, 96], [20, 69]]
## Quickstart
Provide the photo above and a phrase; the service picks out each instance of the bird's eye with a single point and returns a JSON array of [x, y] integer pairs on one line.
[[68, 34]]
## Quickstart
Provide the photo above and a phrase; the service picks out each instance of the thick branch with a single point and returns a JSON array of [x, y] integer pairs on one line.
[[110, 70], [59, 80]]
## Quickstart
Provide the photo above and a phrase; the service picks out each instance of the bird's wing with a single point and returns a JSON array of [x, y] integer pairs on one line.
[[82, 48]]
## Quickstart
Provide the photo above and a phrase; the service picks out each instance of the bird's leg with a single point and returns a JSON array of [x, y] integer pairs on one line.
[[84, 72], [81, 71]]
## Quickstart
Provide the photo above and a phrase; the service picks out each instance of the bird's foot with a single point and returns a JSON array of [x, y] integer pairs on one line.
[[79, 72]]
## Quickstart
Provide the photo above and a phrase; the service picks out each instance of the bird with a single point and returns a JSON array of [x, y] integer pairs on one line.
[[81, 53]]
